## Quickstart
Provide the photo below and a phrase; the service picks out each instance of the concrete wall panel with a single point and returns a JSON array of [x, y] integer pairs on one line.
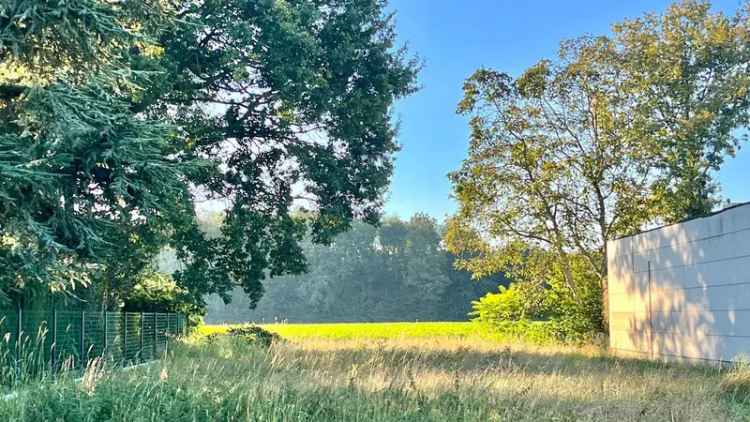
[[683, 291]]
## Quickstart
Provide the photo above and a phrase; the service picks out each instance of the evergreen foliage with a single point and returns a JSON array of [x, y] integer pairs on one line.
[[119, 117]]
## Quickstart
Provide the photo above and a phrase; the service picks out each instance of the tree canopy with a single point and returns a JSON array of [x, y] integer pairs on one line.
[[617, 133], [119, 117]]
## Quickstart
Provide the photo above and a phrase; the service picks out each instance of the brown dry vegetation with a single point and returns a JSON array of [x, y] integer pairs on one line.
[[518, 382], [462, 378]]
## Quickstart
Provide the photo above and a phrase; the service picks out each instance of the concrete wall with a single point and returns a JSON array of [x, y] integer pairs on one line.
[[683, 291]]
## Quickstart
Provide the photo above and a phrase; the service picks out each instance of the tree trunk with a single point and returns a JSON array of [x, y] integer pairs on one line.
[[605, 292]]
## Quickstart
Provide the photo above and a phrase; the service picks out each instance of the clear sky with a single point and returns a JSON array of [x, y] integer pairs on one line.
[[456, 37]]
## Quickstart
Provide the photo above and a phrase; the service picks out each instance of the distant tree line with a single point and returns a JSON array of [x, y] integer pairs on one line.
[[397, 271]]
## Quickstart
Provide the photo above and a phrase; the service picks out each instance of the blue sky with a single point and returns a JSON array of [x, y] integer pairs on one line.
[[454, 38]]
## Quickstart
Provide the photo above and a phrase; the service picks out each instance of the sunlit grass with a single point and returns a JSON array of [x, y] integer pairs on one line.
[[349, 331], [394, 330], [381, 372]]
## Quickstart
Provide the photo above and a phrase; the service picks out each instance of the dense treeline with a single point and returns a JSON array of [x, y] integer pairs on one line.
[[397, 271]]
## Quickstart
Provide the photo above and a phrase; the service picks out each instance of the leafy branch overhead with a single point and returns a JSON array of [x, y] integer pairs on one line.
[[119, 117]]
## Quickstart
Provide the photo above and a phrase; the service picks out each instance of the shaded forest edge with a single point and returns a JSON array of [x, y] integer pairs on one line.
[[397, 271]]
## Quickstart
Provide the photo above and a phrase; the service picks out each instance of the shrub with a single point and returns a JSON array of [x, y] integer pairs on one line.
[[568, 319], [158, 292], [577, 318], [254, 334], [535, 332], [510, 304]]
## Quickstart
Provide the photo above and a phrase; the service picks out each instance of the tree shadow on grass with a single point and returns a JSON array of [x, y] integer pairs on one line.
[[408, 383], [232, 380], [544, 386], [558, 362]]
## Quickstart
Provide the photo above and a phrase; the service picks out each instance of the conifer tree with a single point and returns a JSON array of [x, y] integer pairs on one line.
[[118, 117]]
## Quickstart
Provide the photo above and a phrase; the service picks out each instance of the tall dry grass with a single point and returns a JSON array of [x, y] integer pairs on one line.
[[396, 379]]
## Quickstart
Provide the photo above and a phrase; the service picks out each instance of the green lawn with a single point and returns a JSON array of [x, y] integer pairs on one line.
[[352, 331]]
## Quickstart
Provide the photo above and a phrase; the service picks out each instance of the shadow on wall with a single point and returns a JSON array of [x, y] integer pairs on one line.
[[683, 291]]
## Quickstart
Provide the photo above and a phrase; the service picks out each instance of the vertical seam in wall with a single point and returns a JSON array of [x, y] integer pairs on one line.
[[650, 315]]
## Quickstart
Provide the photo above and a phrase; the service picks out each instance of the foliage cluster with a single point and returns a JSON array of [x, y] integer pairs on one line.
[[507, 314], [570, 319], [397, 271]]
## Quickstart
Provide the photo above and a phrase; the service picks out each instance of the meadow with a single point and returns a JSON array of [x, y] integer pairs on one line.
[[364, 331], [386, 372]]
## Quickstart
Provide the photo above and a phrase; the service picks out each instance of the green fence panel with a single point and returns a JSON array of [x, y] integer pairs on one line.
[[35, 343]]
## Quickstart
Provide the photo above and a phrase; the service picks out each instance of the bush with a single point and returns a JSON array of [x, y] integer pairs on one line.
[[254, 334], [578, 318], [508, 305], [158, 292], [568, 319], [534, 332]]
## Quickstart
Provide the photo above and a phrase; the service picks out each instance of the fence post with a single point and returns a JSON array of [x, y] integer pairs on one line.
[[19, 342], [84, 359], [124, 336], [53, 348], [143, 328], [106, 339], [166, 336], [156, 342]]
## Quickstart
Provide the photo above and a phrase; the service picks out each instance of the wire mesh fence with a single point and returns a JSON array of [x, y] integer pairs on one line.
[[34, 343]]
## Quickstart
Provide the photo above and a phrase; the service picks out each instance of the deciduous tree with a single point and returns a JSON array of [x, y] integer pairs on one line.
[[688, 73], [617, 133]]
